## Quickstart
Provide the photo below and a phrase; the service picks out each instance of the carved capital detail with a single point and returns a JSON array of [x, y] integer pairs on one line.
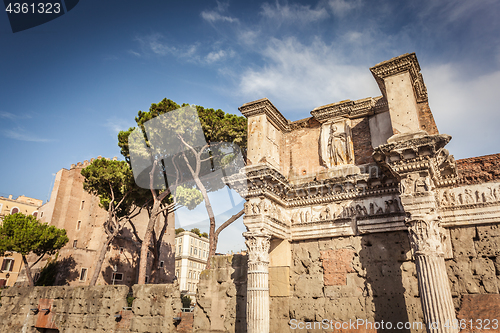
[[258, 246], [425, 234]]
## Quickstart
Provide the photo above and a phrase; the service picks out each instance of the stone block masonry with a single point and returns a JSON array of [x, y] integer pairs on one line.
[[90, 309]]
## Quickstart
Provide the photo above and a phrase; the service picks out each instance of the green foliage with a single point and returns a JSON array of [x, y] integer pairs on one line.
[[25, 234], [196, 231], [204, 234], [48, 273], [105, 178], [189, 197], [179, 230], [130, 300], [186, 301]]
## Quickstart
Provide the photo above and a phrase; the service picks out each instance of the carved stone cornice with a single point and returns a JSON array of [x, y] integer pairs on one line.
[[404, 63], [258, 246], [264, 181], [418, 152], [350, 109], [425, 234], [264, 106]]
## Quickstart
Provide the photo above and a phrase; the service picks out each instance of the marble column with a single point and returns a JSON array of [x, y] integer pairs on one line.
[[435, 294], [258, 282]]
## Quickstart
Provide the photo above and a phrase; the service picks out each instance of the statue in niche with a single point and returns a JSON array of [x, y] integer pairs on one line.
[[336, 145]]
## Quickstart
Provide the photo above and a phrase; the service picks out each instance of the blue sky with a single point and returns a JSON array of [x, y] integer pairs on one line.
[[68, 86]]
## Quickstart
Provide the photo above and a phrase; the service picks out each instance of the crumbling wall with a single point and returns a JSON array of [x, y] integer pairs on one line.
[[221, 297], [480, 169], [368, 277], [475, 267], [89, 309]]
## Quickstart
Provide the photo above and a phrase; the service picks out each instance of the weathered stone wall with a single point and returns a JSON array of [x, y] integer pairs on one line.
[[475, 267], [90, 309], [367, 277], [221, 298]]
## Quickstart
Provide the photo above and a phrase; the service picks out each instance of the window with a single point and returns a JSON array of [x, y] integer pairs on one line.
[[180, 240], [179, 248], [117, 276], [147, 279], [191, 250], [82, 204], [83, 274], [35, 213], [177, 274], [190, 274], [195, 251], [8, 264], [41, 214], [161, 264], [14, 210], [75, 242], [78, 225]]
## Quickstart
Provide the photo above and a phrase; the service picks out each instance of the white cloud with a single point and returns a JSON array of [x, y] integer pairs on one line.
[[341, 7], [213, 16], [305, 76], [293, 14], [218, 14], [465, 107], [219, 55], [155, 44], [21, 134], [11, 116]]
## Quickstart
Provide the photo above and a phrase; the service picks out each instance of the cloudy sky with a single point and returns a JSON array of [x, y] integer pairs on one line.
[[68, 86]]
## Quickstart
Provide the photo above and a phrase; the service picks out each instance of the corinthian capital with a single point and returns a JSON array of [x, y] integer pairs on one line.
[[425, 234], [258, 246]]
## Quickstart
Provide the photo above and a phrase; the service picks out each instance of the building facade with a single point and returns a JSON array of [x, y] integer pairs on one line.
[[191, 254], [359, 212], [12, 264], [72, 208]]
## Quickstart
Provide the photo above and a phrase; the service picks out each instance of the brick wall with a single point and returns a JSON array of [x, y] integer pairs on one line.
[[362, 141], [480, 169], [426, 119]]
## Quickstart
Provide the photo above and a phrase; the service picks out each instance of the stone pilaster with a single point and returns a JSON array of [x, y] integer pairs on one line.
[[426, 240], [258, 282]]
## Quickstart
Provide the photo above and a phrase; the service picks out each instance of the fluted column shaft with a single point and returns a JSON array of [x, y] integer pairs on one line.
[[258, 282], [435, 294]]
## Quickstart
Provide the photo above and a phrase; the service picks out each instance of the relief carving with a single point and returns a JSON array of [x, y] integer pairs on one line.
[[336, 144], [468, 196]]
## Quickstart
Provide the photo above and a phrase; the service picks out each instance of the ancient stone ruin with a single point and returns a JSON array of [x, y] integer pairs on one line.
[[360, 213]]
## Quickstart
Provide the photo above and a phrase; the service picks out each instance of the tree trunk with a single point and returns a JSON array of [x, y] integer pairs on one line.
[[100, 260], [212, 237], [28, 271], [143, 260]]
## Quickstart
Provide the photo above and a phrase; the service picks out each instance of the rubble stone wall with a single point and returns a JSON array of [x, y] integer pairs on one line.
[[221, 298], [369, 277], [89, 309]]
